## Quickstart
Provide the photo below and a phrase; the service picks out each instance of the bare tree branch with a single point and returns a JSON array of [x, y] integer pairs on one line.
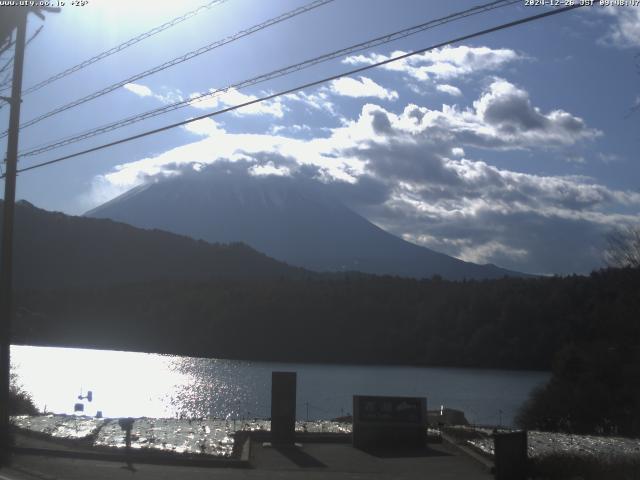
[[623, 249], [6, 46]]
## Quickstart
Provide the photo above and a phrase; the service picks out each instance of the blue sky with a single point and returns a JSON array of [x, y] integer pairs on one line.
[[517, 148]]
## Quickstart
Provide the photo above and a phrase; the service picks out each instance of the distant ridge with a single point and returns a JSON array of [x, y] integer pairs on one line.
[[54, 250], [301, 226]]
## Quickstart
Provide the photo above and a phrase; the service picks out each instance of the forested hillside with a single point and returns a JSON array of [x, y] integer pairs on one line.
[[508, 323], [57, 250]]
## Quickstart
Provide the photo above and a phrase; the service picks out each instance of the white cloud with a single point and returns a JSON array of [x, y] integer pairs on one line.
[[575, 159], [140, 90], [269, 169], [418, 145], [485, 252], [295, 128], [361, 87], [476, 211], [625, 29], [450, 89], [502, 118], [221, 145], [168, 95], [444, 63], [508, 110], [206, 127], [102, 190], [233, 97], [318, 100], [608, 157]]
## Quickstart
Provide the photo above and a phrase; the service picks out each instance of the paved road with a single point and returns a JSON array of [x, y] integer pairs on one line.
[[312, 461]]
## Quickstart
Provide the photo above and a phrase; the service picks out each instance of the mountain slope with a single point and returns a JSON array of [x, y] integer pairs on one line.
[[57, 250], [300, 226]]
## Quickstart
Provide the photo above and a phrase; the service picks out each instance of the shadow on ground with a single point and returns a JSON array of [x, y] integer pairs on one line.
[[299, 457], [404, 453]]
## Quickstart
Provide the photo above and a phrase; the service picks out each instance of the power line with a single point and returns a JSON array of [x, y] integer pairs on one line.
[[122, 46], [8, 43], [6, 46], [7, 76], [178, 60], [6, 81], [34, 35], [306, 85], [6, 65], [272, 75], [10, 61]]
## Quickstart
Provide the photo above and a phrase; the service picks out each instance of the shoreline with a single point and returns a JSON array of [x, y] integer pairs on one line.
[[176, 353]]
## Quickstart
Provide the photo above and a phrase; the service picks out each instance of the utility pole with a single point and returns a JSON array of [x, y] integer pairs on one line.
[[6, 259], [6, 254]]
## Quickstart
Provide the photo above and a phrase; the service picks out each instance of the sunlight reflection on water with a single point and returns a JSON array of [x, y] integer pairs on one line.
[[163, 386], [206, 436], [123, 383]]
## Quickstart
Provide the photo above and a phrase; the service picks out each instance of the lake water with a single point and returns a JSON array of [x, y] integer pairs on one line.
[[150, 385]]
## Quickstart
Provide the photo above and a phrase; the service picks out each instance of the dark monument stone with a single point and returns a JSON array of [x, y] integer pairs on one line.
[[389, 422], [510, 455], [283, 407]]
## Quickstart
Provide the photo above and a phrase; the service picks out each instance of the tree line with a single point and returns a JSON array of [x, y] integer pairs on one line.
[[506, 323]]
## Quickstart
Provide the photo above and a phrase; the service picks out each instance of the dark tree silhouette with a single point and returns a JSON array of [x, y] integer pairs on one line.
[[20, 402]]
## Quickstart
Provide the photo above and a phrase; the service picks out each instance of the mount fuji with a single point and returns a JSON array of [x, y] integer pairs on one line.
[[284, 219]]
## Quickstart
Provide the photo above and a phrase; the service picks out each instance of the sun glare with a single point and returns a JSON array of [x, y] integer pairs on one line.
[[138, 14], [123, 383]]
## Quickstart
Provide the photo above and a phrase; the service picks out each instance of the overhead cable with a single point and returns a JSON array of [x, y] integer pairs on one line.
[[122, 46], [269, 76], [176, 61], [314, 83]]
